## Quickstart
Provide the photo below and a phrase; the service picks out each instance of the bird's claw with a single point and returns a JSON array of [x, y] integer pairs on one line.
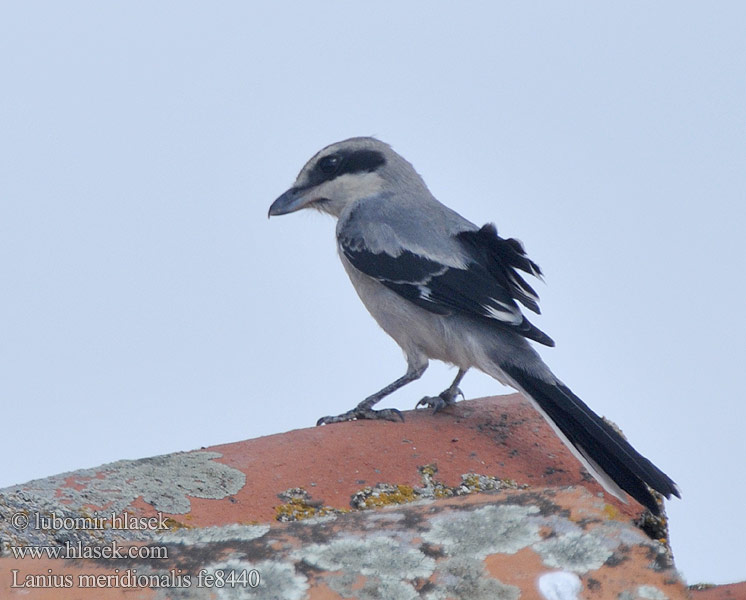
[[441, 401], [435, 402], [357, 413]]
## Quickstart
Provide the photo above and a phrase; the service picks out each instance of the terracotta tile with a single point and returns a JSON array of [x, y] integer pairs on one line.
[[492, 504]]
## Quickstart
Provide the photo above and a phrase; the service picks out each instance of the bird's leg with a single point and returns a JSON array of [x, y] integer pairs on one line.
[[364, 410], [446, 397]]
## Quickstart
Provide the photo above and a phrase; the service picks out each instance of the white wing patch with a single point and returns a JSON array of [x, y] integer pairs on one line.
[[424, 292], [503, 312], [528, 293]]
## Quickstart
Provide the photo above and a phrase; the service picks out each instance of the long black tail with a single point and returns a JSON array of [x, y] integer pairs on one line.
[[596, 440]]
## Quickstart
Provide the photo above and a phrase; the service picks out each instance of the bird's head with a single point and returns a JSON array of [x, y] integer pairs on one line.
[[343, 173]]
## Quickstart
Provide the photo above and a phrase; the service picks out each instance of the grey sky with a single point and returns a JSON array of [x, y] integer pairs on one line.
[[147, 305]]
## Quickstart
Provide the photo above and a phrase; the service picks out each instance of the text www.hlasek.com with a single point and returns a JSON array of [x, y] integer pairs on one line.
[[79, 550]]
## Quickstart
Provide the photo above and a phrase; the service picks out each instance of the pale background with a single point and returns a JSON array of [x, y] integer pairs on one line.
[[147, 305]]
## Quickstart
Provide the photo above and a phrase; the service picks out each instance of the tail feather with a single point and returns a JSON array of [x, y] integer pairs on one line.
[[607, 452]]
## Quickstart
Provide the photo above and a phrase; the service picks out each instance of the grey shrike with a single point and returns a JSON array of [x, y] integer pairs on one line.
[[448, 290]]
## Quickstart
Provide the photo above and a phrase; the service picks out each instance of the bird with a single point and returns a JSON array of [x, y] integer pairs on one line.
[[445, 289]]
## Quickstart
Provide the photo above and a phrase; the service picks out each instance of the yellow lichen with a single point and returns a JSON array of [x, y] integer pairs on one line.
[[471, 480], [174, 525], [298, 504], [400, 495], [295, 510], [299, 507], [611, 511]]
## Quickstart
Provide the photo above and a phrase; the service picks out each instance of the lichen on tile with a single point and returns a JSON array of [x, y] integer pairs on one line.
[[207, 535], [643, 592], [377, 555], [578, 552], [165, 482], [388, 566], [466, 577], [299, 506], [242, 580], [373, 588], [484, 531]]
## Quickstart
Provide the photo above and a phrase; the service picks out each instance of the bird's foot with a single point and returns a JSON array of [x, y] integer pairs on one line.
[[357, 413], [441, 401]]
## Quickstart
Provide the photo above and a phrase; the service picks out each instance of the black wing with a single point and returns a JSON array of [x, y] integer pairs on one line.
[[486, 288]]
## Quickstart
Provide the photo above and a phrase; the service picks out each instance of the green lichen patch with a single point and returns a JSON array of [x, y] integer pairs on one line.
[[383, 494], [656, 527], [470, 483], [299, 506], [387, 494]]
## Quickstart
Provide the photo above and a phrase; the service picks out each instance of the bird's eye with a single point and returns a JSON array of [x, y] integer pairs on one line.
[[329, 164]]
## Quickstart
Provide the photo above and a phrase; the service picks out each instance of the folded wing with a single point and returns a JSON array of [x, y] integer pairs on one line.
[[487, 287]]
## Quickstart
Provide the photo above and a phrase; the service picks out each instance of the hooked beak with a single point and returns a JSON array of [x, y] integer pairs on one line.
[[292, 200]]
